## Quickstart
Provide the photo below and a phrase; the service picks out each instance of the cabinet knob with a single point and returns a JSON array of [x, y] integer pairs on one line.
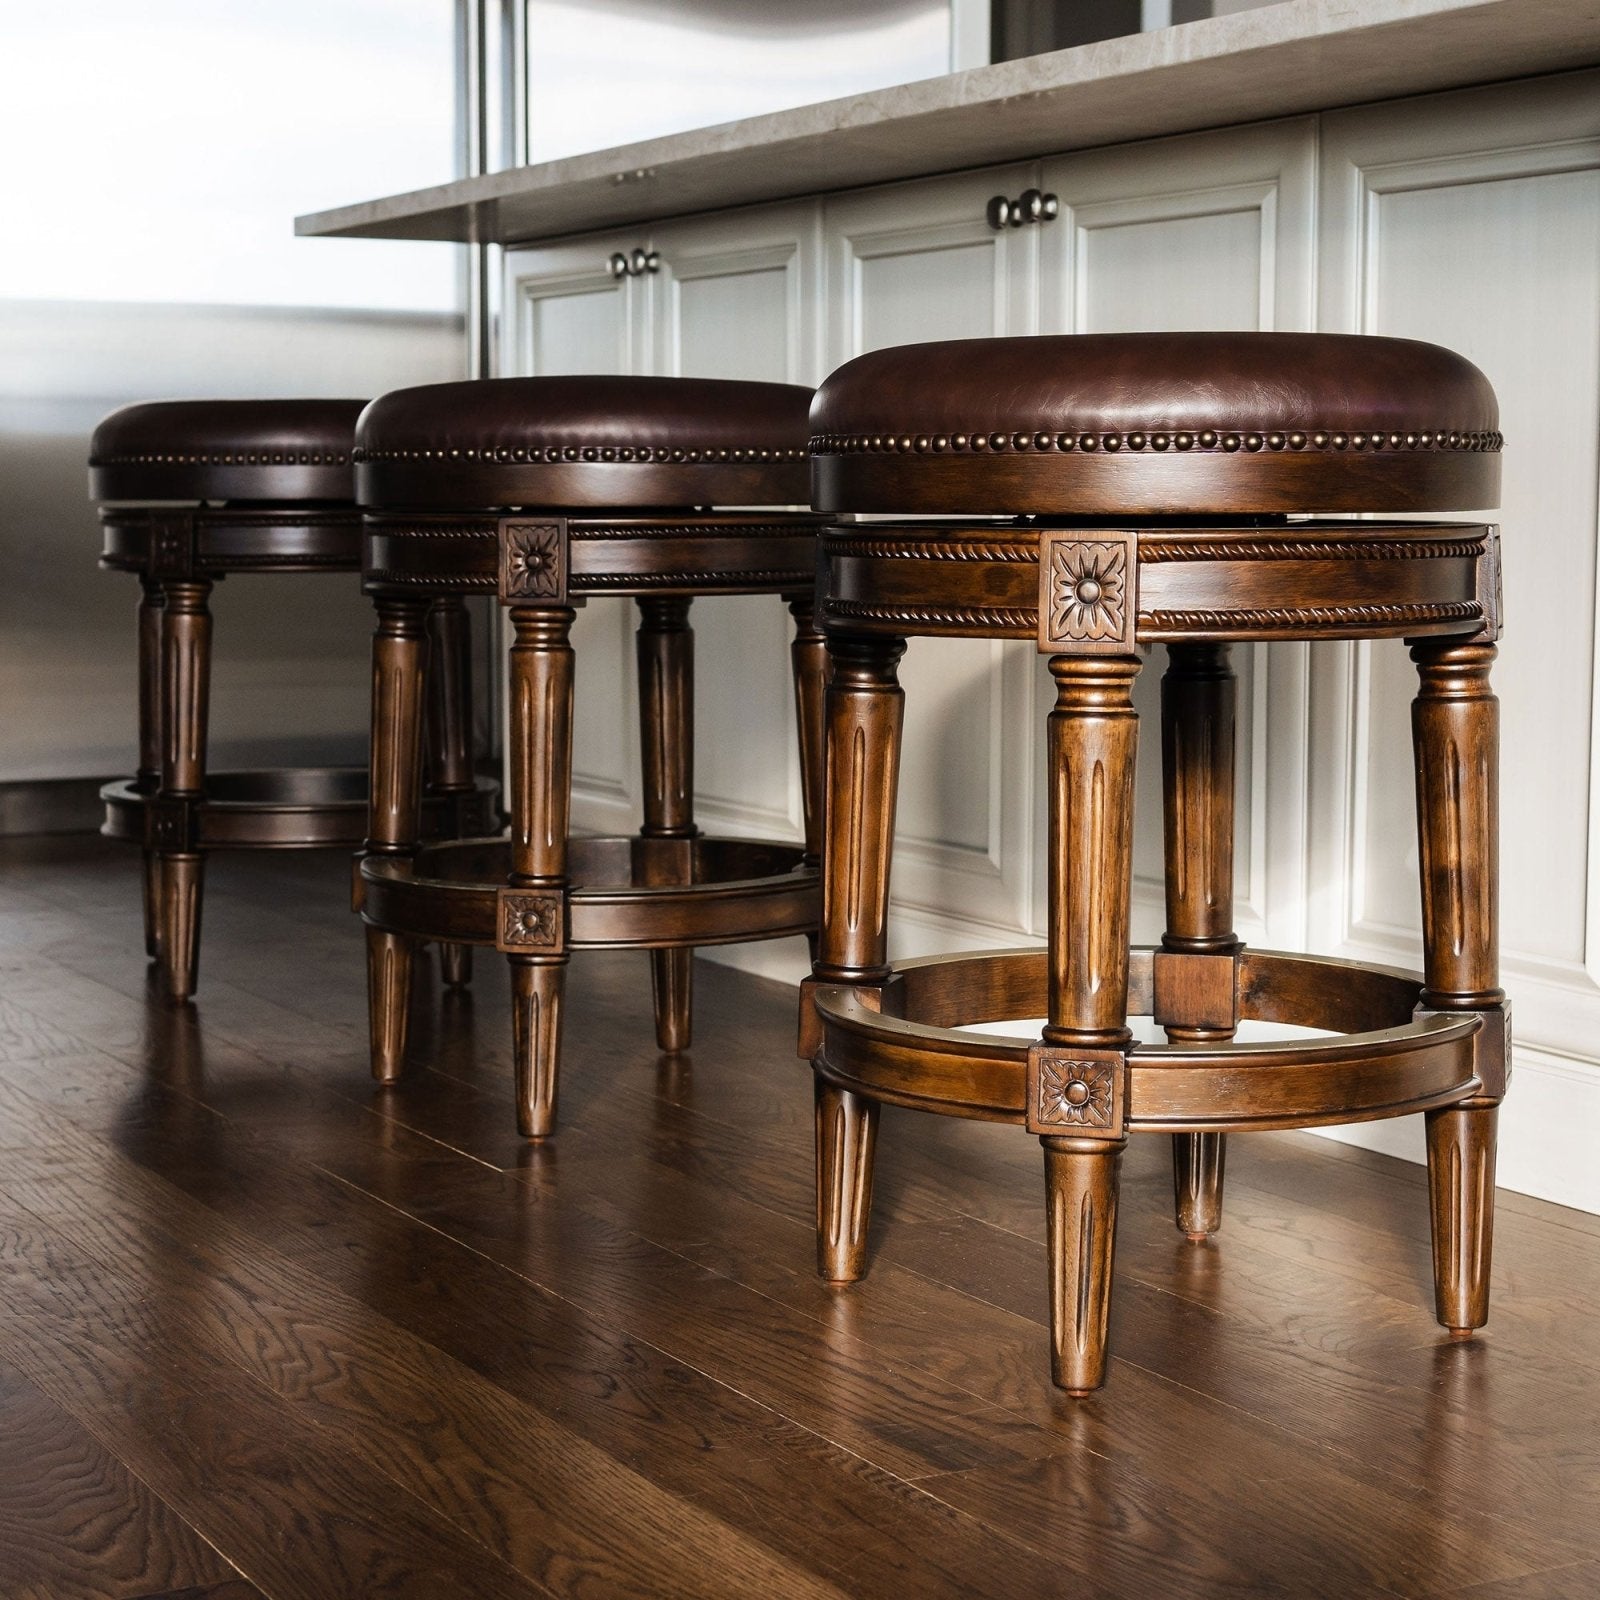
[[634, 265], [1032, 205]]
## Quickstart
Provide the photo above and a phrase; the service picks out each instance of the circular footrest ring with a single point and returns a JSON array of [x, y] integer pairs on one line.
[[285, 808], [624, 893], [909, 1043]]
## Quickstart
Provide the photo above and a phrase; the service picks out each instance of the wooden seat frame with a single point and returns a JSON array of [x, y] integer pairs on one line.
[[1092, 593], [539, 895], [177, 811]]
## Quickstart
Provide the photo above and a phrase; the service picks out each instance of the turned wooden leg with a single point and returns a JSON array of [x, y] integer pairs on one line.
[[847, 1131], [388, 1000], [665, 644], [533, 905], [1198, 698], [808, 655], [865, 711], [399, 674], [148, 778], [1080, 1178], [1077, 1073], [449, 743], [1455, 726], [184, 712]]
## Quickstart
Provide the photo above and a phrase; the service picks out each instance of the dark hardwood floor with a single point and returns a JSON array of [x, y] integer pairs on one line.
[[268, 1330]]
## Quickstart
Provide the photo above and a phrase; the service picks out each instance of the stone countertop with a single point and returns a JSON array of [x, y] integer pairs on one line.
[[1280, 60]]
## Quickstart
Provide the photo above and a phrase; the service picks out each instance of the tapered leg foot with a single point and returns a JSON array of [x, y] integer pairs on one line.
[[536, 1006], [1461, 1147], [1080, 1178], [847, 1132], [672, 987], [455, 965], [152, 904], [178, 922], [1197, 1166], [388, 1000]]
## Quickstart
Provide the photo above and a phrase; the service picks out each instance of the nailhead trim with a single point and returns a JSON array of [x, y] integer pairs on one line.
[[230, 458], [836, 444], [535, 454]]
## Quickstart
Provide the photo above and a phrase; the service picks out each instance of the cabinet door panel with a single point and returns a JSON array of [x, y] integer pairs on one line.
[[565, 312]]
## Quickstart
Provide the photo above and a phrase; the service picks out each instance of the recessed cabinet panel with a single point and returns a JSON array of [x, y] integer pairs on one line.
[[915, 262], [1186, 272]]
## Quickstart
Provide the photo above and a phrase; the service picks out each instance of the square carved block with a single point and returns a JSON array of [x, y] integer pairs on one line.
[[533, 560], [531, 922], [1195, 991], [171, 547], [1088, 602], [1082, 1093]]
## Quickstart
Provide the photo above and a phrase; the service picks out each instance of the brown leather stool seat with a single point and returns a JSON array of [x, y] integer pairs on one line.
[[543, 492], [190, 491], [1103, 493]]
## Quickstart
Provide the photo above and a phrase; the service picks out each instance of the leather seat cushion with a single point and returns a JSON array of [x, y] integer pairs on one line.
[[268, 450], [585, 441], [1181, 422]]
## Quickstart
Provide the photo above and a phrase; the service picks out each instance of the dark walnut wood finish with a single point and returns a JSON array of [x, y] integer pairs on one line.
[[544, 492], [1158, 477], [268, 489]]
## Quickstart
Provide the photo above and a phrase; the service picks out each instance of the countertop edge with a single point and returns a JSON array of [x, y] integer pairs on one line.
[[1283, 60]]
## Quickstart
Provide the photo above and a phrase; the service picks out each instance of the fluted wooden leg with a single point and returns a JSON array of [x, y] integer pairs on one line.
[[388, 1000], [449, 740], [847, 1131], [665, 646], [1198, 699], [808, 655], [533, 910], [1077, 1074], [1455, 725], [865, 711], [149, 775], [1461, 1150], [183, 719], [1080, 1177], [399, 675]]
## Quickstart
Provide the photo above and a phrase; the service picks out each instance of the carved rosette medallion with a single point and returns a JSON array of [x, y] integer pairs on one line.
[[1075, 1092], [533, 561], [531, 922], [1086, 593]]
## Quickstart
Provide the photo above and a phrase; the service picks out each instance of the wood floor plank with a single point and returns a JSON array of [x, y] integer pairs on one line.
[[75, 1524], [541, 1505]]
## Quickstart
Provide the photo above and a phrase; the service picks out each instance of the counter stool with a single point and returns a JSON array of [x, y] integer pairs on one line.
[[543, 492], [191, 491], [1108, 493]]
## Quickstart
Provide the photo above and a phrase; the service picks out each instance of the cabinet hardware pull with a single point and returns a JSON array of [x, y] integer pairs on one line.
[[1030, 206], [635, 265]]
